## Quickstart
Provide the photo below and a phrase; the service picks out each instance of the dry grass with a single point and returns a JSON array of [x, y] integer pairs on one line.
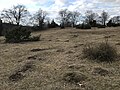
[[101, 52], [58, 52]]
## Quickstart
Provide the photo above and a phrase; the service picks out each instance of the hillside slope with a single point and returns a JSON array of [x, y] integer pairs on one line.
[[43, 65]]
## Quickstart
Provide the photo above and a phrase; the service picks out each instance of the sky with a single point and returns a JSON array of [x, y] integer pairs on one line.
[[53, 6]]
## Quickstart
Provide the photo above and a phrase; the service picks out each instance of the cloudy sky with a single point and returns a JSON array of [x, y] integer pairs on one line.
[[53, 6]]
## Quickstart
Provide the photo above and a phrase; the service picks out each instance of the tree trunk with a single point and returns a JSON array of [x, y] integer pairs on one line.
[[1, 27], [73, 25], [103, 21], [17, 24]]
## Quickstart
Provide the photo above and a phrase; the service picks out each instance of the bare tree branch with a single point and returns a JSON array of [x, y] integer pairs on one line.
[[15, 15]]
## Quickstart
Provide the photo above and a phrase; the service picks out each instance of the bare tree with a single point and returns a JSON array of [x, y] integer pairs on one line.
[[6, 16], [104, 16], [64, 17], [39, 18], [68, 18], [116, 19], [16, 14], [74, 17], [90, 16]]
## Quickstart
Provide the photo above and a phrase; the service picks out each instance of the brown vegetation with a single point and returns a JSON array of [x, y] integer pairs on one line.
[[53, 64]]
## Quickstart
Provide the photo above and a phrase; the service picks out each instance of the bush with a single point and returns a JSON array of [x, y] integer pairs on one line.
[[93, 23], [53, 24], [86, 26], [100, 26], [83, 26], [17, 34], [78, 26], [34, 38], [101, 52]]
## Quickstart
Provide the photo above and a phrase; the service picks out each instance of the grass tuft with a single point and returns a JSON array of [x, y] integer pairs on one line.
[[102, 52], [74, 77]]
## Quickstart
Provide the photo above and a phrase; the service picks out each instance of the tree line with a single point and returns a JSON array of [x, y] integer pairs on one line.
[[20, 15]]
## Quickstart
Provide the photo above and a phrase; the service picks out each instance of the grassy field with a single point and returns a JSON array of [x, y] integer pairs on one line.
[[43, 65]]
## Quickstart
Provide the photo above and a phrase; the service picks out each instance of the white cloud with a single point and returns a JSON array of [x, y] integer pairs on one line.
[[113, 1], [5, 4], [112, 6]]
